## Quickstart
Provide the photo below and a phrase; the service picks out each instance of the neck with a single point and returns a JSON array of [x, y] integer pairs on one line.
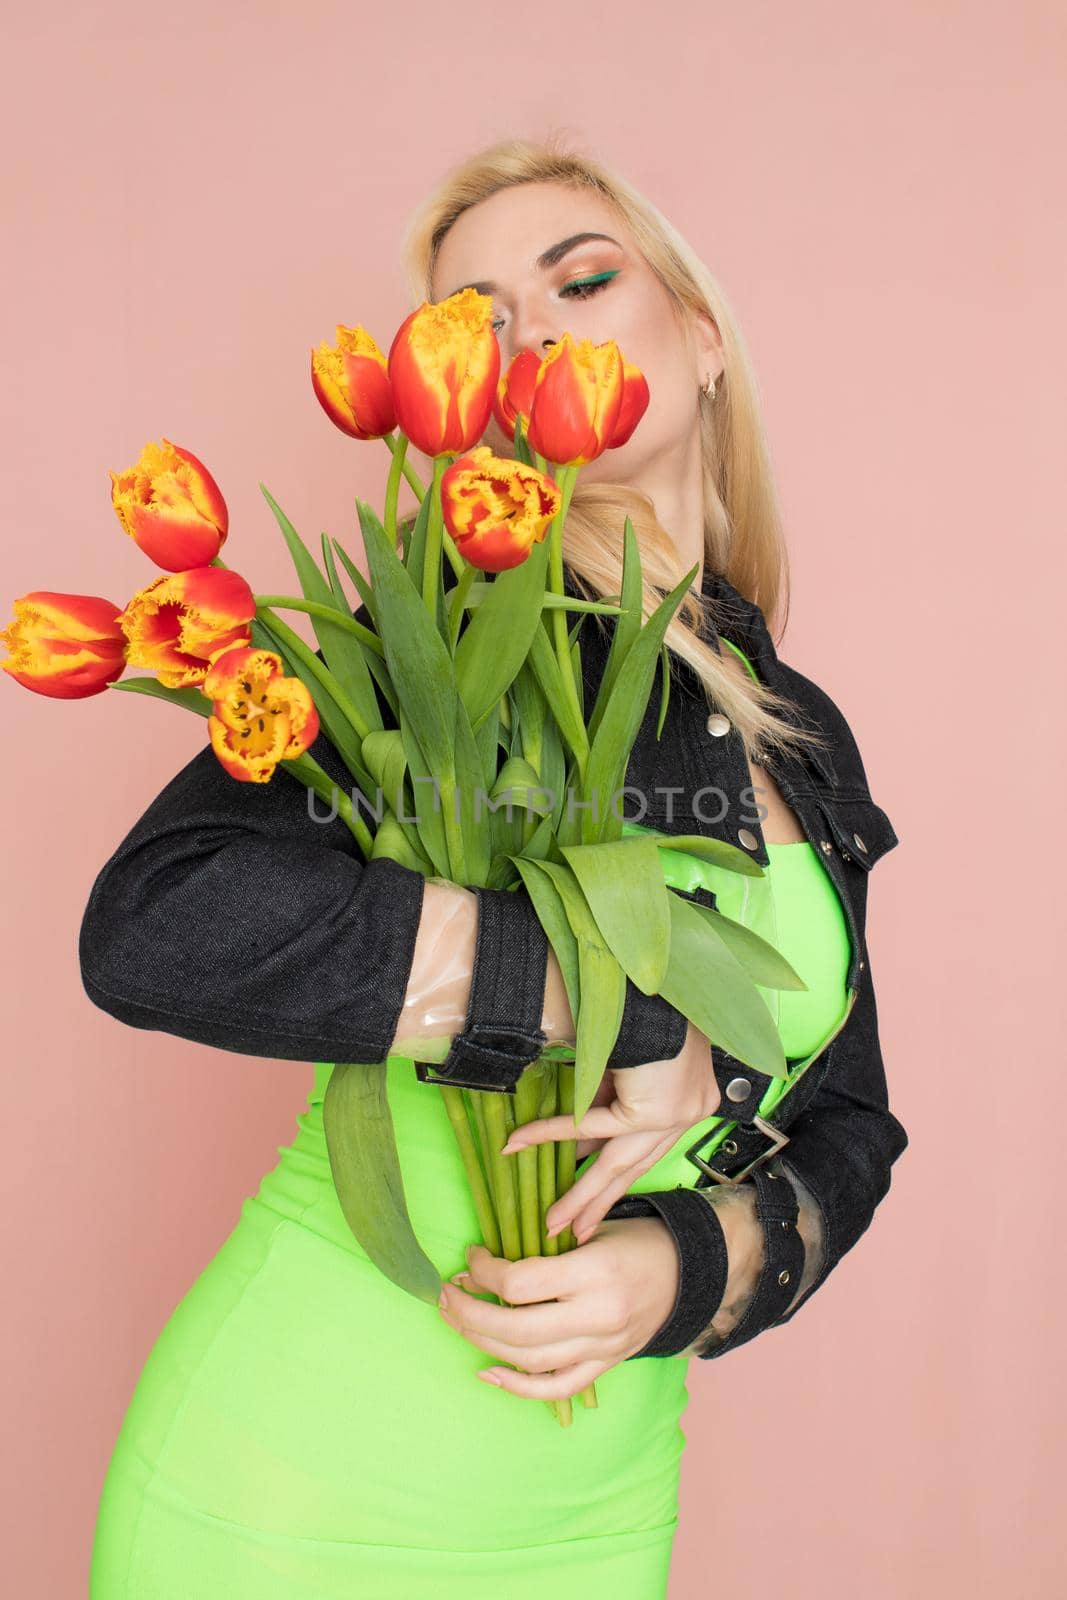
[[674, 483]]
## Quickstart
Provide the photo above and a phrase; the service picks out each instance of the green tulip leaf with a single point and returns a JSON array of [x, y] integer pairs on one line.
[[361, 1143], [497, 638], [629, 900], [347, 665], [190, 698], [706, 981]]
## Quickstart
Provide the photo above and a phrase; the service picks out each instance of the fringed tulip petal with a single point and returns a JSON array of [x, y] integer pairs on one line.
[[176, 625], [171, 506], [444, 364], [66, 646], [351, 380], [258, 716], [496, 510], [576, 401], [635, 398], [514, 394]]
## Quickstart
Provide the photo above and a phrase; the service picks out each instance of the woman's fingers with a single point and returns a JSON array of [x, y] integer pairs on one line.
[[599, 1122], [621, 1155], [558, 1385], [592, 1214]]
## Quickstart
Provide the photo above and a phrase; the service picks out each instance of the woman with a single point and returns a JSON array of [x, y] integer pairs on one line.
[[301, 1427]]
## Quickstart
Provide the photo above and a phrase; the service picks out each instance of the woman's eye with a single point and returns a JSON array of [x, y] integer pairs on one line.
[[577, 289], [582, 288]]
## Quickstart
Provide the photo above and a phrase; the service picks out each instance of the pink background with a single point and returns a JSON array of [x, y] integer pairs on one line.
[[192, 200]]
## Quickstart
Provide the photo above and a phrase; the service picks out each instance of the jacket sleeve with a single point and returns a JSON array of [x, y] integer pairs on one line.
[[230, 916], [838, 1162]]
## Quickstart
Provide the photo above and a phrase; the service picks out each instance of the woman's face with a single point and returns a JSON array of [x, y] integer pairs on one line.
[[558, 260]]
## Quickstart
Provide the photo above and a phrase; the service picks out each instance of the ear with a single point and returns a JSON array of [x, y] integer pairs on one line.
[[708, 345]]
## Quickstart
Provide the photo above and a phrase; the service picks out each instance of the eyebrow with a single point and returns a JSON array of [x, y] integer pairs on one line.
[[548, 258]]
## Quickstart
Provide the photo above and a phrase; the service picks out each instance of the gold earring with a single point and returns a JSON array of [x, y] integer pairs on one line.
[[708, 386]]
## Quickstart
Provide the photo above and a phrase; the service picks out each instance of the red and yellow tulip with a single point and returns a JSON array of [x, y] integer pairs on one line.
[[635, 398], [576, 401], [258, 716], [444, 363], [496, 510], [67, 646], [183, 620], [514, 393], [351, 380], [171, 506]]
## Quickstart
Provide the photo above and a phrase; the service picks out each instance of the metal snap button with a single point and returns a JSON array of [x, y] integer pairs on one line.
[[730, 1146], [824, 844], [783, 1277], [717, 724], [748, 838], [858, 841], [738, 1089]]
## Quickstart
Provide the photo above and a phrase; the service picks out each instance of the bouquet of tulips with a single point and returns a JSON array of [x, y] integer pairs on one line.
[[483, 684]]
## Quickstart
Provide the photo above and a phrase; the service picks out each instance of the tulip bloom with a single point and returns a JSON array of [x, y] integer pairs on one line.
[[351, 380], [444, 364], [67, 646], [635, 398], [258, 716], [172, 507], [576, 401], [496, 510], [514, 393], [179, 623]]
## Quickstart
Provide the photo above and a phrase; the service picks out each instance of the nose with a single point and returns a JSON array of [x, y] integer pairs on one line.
[[531, 329]]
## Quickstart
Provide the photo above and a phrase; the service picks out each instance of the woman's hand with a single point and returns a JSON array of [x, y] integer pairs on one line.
[[654, 1105], [569, 1317]]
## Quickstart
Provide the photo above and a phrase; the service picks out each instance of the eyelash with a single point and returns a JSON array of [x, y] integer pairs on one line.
[[584, 287]]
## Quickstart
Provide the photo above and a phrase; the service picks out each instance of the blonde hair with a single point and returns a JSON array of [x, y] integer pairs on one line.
[[743, 538]]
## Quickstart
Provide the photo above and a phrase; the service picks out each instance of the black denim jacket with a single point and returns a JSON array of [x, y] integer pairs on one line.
[[229, 916]]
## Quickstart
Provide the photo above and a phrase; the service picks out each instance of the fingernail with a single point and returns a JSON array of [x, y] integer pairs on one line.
[[509, 1149], [442, 1300], [461, 1277], [557, 1227], [490, 1377]]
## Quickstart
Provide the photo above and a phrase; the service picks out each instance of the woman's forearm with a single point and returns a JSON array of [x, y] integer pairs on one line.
[[438, 992], [736, 1209]]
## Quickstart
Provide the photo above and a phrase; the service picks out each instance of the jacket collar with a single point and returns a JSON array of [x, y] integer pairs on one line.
[[740, 621], [743, 623]]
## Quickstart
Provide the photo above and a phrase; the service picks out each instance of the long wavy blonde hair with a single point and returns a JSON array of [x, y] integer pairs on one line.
[[743, 538]]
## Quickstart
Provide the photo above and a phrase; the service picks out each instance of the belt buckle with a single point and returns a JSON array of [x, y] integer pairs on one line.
[[778, 1141], [423, 1073]]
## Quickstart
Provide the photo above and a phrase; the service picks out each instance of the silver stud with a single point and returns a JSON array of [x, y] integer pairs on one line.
[[783, 1276], [748, 838], [738, 1089], [717, 724], [730, 1146], [825, 845], [858, 841], [862, 964]]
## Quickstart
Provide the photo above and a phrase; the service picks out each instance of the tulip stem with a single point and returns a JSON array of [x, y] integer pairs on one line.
[[315, 608], [431, 557], [392, 487], [565, 477], [456, 601], [407, 469], [305, 768]]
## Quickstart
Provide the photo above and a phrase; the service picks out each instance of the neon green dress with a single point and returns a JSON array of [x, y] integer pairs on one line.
[[304, 1430]]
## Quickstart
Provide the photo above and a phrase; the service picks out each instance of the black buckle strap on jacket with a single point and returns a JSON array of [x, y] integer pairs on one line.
[[702, 1263], [754, 1140], [783, 1260], [502, 1034], [651, 1029]]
